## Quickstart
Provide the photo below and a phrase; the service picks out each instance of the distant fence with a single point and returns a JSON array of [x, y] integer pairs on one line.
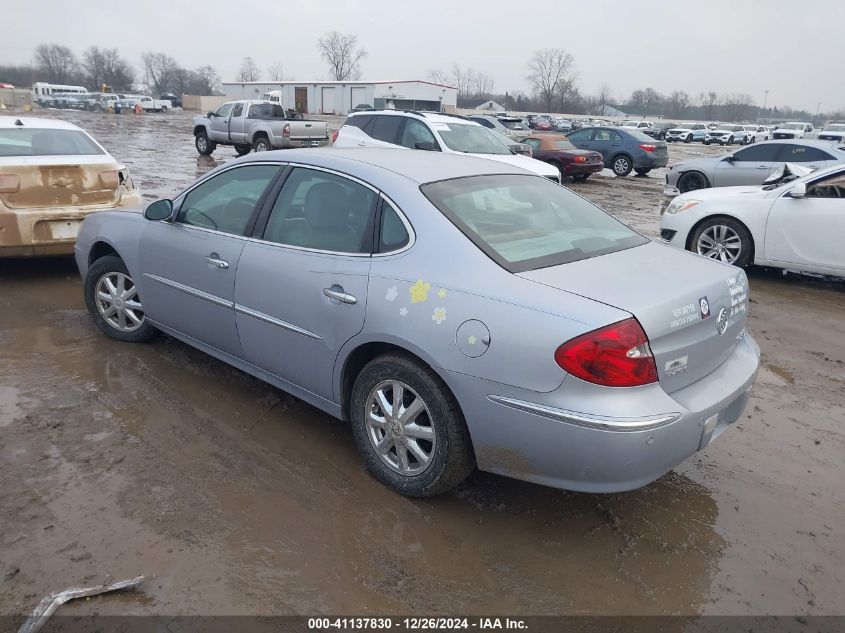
[[203, 103], [15, 97]]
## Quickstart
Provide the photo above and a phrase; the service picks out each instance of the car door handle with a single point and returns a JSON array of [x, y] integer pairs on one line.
[[340, 295], [215, 261], [763, 167]]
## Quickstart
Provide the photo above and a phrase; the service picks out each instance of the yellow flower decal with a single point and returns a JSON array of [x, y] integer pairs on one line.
[[419, 291], [442, 293]]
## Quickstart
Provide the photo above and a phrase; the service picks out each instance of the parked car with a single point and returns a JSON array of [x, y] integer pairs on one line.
[[833, 132], [724, 134], [175, 101], [623, 150], [796, 225], [556, 342], [155, 105], [637, 125], [101, 101], [686, 133], [562, 125], [745, 134], [750, 165], [434, 132], [796, 129], [258, 125], [657, 130], [539, 123], [363, 107], [52, 175], [510, 127], [557, 150], [763, 133]]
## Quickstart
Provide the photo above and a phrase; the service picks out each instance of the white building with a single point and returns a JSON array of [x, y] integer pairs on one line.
[[339, 97]]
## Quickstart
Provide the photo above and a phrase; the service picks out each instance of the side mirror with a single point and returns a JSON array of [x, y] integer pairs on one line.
[[731, 158], [210, 115], [159, 210], [428, 146], [798, 191]]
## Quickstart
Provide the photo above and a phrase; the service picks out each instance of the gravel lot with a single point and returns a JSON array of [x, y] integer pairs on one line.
[[232, 497]]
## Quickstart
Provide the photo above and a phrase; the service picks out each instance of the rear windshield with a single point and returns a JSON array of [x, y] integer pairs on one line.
[[41, 142], [513, 125], [266, 111], [470, 139], [528, 222]]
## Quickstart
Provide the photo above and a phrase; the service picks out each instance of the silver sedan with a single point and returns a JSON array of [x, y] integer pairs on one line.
[[458, 312]]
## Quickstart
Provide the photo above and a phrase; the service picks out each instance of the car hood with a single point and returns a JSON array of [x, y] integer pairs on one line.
[[536, 166], [676, 296]]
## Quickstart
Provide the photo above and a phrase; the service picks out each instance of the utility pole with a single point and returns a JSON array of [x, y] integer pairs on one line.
[[818, 107], [765, 99]]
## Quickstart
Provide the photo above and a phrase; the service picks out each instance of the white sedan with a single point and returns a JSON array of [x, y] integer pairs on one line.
[[799, 225]]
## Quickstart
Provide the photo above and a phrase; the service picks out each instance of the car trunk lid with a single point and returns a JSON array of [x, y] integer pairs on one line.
[[54, 181], [692, 309]]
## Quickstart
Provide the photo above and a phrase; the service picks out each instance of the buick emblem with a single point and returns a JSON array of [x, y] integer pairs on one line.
[[722, 321]]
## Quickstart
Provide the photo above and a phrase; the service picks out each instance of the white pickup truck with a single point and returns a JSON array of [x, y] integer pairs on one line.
[[155, 105], [258, 125]]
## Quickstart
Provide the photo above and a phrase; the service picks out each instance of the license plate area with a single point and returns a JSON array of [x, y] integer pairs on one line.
[[56, 230]]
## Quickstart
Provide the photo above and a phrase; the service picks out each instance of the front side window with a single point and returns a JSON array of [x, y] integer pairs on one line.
[[527, 222], [45, 142], [581, 135], [534, 143], [417, 136], [322, 211], [225, 202], [832, 186], [223, 111], [608, 135], [470, 139]]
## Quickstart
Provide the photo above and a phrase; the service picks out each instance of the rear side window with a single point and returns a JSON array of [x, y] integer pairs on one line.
[[392, 233], [386, 128], [42, 142], [359, 120], [265, 111], [804, 154]]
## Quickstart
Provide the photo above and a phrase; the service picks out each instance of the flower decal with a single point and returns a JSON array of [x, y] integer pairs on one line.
[[472, 340], [442, 293], [419, 291], [392, 293], [439, 315], [403, 311]]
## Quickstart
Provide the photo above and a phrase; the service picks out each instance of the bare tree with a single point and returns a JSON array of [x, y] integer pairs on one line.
[[276, 72], [207, 81], [249, 71], [550, 72], [737, 107], [161, 71], [106, 66], [709, 100], [678, 103], [439, 77], [604, 97], [342, 55], [57, 63]]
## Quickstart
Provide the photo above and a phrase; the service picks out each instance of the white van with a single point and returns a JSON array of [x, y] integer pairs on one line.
[[42, 91]]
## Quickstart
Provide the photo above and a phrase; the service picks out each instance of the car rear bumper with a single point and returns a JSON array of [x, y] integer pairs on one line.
[[632, 437], [574, 169], [650, 161]]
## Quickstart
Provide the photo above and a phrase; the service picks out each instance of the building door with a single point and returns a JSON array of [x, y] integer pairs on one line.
[[328, 101], [359, 96], [301, 99]]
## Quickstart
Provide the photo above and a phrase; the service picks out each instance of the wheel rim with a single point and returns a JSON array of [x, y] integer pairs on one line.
[[117, 301], [691, 182], [399, 427], [620, 165], [720, 242], [202, 144], [260, 146]]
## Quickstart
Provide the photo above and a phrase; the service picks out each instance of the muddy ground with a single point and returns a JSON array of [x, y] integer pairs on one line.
[[232, 497]]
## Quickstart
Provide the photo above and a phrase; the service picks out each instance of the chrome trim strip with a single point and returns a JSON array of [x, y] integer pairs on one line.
[[191, 291], [277, 322], [588, 421]]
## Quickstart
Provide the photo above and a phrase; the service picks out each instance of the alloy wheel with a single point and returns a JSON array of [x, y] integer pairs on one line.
[[117, 301], [399, 427], [720, 242]]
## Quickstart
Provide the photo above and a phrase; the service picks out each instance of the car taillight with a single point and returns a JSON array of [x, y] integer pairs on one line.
[[580, 159], [109, 178], [334, 136], [648, 148], [9, 183], [286, 130], [617, 355]]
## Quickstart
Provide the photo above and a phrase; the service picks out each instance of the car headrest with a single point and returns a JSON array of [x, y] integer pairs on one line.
[[326, 206]]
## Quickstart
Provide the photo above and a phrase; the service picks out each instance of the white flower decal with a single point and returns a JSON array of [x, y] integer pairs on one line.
[[442, 293], [472, 340], [392, 293], [439, 315], [403, 311]]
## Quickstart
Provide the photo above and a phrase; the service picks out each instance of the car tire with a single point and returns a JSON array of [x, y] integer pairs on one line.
[[688, 138], [642, 172], [692, 181], [731, 140], [242, 149], [204, 145], [621, 165], [580, 177], [706, 142], [261, 144], [732, 232], [449, 455], [164, 108], [111, 310]]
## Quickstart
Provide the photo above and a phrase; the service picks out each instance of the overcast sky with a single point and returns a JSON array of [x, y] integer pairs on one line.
[[792, 49]]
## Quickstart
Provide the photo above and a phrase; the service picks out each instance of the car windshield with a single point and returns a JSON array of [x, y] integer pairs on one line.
[[469, 139], [528, 222], [836, 127], [563, 144], [734, 128], [512, 125], [794, 126], [45, 142]]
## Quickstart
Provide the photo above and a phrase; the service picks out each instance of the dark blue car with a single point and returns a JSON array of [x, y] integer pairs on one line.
[[623, 150]]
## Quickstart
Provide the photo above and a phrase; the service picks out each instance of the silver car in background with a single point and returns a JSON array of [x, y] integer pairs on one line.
[[750, 165], [459, 312]]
